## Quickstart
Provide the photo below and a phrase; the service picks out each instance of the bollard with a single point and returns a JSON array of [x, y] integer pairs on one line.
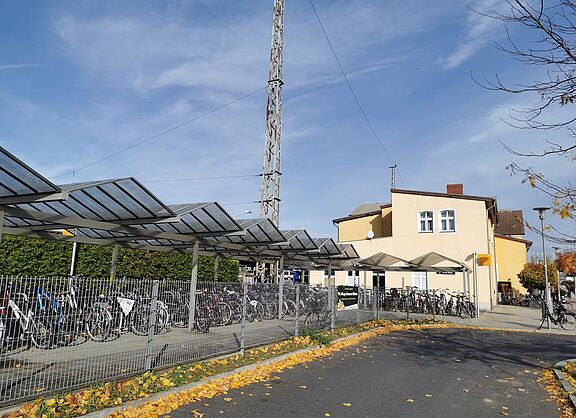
[[297, 326], [151, 324]]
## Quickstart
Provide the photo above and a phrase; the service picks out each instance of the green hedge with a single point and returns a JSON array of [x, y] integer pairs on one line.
[[38, 257]]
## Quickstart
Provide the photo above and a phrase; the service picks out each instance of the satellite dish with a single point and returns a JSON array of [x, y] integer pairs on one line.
[[370, 234]]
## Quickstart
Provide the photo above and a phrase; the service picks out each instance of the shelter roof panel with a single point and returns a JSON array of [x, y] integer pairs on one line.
[[18, 179], [298, 240], [123, 201], [199, 218], [435, 261], [326, 246], [259, 232]]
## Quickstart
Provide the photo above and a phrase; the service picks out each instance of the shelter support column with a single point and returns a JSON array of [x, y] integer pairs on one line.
[[193, 285], [114, 263], [280, 286], [216, 267], [475, 278], [74, 259], [1, 224]]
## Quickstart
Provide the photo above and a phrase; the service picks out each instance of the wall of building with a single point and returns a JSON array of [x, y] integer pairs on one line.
[[357, 229], [510, 257], [386, 222]]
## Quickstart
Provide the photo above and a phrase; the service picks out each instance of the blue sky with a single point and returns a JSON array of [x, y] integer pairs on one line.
[[81, 80]]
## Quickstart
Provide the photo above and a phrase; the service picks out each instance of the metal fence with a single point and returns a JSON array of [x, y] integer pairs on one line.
[[63, 333]]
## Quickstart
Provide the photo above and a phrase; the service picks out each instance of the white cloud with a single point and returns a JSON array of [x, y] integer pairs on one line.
[[480, 30], [4, 67]]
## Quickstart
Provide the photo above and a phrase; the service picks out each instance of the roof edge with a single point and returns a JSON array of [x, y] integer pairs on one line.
[[524, 241], [361, 215]]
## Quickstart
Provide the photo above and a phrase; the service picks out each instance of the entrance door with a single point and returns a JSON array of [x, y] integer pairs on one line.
[[420, 280], [382, 283]]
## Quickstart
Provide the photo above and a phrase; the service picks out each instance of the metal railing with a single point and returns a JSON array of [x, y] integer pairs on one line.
[[63, 333]]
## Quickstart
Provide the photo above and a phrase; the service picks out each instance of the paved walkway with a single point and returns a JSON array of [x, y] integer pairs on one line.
[[426, 373], [502, 316]]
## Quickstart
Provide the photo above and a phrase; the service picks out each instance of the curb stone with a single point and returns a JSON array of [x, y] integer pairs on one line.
[[559, 371], [157, 396]]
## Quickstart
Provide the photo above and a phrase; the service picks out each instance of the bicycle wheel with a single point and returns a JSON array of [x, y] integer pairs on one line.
[[162, 318], [270, 309], [310, 322], [236, 310], [225, 313], [179, 316], [257, 309], [568, 322], [202, 320], [289, 308], [40, 333], [139, 320], [98, 323]]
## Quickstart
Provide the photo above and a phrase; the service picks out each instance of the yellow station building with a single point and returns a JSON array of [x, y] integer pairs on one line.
[[446, 229]]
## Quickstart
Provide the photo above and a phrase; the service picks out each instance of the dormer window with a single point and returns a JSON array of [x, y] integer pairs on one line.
[[447, 220], [426, 221]]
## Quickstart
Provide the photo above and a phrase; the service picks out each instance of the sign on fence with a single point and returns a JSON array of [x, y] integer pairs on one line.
[[347, 297]]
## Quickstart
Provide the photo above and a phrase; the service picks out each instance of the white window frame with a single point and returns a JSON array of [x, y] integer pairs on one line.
[[440, 218], [418, 277], [353, 275], [420, 230]]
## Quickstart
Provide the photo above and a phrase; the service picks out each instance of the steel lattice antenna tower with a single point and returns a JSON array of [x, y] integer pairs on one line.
[[270, 194], [392, 176]]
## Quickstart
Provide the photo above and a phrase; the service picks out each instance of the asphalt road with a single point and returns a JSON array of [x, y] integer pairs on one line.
[[433, 373]]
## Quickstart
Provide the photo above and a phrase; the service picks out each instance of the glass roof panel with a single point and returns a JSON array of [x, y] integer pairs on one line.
[[17, 179]]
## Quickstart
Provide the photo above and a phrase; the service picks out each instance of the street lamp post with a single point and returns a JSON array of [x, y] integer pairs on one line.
[[548, 296], [557, 273]]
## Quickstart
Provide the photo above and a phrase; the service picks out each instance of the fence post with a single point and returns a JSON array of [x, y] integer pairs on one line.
[[378, 298], [332, 296], [244, 311], [297, 326], [193, 285], [407, 304], [434, 305], [375, 298], [365, 292], [151, 324]]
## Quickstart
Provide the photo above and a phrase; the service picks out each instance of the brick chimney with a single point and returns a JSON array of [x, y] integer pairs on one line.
[[455, 188]]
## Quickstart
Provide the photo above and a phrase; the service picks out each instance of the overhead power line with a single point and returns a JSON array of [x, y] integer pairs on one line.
[[202, 178], [172, 129], [354, 92]]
